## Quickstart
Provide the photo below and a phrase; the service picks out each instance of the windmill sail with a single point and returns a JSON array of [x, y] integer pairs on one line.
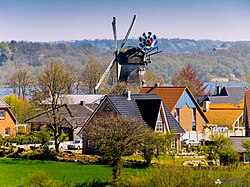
[[129, 30]]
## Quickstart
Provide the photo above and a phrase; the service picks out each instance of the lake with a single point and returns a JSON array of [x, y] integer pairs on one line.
[[5, 91]]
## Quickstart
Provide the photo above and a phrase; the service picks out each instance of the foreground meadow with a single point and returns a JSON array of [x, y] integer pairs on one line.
[[16, 172]]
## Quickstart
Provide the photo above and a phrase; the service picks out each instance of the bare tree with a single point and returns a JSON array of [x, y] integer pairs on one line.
[[76, 71], [55, 80], [152, 78], [20, 81], [91, 75]]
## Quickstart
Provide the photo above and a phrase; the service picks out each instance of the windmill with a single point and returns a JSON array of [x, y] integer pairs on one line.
[[129, 61]]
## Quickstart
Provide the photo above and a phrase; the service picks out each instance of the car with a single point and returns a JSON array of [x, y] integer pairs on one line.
[[77, 144], [221, 129], [188, 142], [62, 145]]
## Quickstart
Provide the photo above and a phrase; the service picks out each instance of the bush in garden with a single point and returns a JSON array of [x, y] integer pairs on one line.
[[41, 179], [175, 176]]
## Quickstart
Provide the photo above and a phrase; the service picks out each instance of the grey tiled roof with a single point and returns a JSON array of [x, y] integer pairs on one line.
[[236, 141], [144, 107], [71, 113], [3, 104], [123, 106], [230, 94], [174, 126]]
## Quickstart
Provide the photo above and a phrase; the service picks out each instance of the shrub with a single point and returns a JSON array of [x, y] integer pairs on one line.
[[228, 156], [41, 154], [93, 183], [41, 179], [174, 176]]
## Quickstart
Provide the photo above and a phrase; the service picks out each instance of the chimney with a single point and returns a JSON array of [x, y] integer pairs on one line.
[[206, 106], [157, 84], [128, 95], [82, 103]]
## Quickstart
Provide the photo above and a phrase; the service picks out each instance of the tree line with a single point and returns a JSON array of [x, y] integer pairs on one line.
[[230, 58]]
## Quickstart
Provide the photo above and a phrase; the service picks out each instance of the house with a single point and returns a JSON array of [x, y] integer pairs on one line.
[[77, 99], [236, 143], [183, 106], [226, 95], [246, 116], [70, 117], [148, 108], [8, 122], [226, 118]]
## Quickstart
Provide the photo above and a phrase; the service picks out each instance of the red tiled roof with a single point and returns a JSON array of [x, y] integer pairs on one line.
[[247, 105], [169, 95]]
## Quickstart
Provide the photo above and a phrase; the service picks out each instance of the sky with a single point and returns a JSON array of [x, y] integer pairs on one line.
[[57, 20]]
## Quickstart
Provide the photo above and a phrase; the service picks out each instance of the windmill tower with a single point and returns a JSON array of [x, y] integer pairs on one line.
[[128, 64]]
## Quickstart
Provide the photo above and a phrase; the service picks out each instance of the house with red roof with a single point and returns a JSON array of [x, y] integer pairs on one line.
[[246, 118], [8, 122], [183, 106]]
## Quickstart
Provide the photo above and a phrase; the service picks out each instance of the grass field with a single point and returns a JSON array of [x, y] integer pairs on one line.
[[14, 171]]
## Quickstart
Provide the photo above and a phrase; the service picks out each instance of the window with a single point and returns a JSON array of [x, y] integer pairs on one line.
[[7, 132], [2, 114], [194, 120], [173, 143], [88, 143], [159, 124], [177, 114], [107, 108]]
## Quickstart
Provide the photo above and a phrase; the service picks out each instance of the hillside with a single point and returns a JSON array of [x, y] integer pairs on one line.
[[229, 58]]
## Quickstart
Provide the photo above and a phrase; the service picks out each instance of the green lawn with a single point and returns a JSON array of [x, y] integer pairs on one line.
[[13, 171]]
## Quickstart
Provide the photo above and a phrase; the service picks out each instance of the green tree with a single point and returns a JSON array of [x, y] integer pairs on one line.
[[246, 144], [91, 74], [6, 47], [21, 108], [55, 80], [221, 149], [116, 137], [156, 144]]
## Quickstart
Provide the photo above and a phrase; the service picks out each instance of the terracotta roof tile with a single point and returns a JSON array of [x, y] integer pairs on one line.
[[247, 105], [169, 95]]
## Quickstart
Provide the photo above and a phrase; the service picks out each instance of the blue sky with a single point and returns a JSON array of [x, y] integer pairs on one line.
[[55, 20]]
